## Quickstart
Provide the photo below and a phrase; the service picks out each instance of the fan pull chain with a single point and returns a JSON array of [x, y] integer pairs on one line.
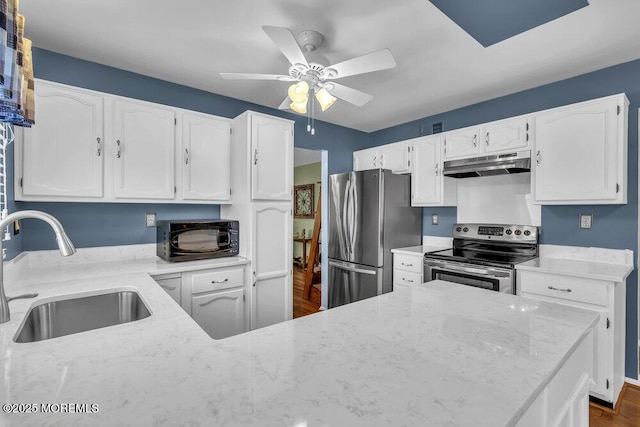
[[313, 120]]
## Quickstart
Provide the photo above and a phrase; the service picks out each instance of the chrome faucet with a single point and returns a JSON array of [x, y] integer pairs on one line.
[[64, 244]]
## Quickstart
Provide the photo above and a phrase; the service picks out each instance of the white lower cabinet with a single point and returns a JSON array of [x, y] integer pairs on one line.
[[606, 375], [407, 269], [220, 314], [214, 298], [171, 284]]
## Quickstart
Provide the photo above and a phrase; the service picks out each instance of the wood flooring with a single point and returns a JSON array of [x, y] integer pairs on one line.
[[626, 414], [301, 305]]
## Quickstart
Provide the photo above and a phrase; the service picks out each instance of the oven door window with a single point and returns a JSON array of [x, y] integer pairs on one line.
[[490, 283]]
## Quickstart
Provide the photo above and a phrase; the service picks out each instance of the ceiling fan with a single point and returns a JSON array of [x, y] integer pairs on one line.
[[313, 74]]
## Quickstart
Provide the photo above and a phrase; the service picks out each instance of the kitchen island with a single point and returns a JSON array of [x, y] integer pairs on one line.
[[440, 354]]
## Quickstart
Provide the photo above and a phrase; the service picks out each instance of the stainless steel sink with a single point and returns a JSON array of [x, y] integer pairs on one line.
[[70, 316]]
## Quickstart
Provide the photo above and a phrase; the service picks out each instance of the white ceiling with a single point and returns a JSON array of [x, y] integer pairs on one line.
[[440, 67]]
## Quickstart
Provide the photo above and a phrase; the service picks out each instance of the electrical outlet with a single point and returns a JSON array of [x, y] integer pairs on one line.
[[4, 253], [151, 220], [434, 219], [586, 221]]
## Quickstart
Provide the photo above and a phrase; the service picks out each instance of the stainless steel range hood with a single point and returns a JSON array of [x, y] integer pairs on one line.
[[499, 164]]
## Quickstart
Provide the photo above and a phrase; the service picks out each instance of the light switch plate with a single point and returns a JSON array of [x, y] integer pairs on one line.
[[586, 221], [151, 219], [434, 219]]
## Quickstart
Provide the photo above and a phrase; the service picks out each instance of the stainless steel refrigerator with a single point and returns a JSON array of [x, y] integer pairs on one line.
[[370, 213]]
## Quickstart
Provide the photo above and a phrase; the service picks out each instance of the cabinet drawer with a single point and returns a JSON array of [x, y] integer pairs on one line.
[[213, 280], [564, 287], [401, 277], [407, 263]]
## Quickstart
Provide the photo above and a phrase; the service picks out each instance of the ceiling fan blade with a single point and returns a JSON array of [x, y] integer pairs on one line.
[[285, 104], [374, 61], [248, 76], [284, 40], [348, 94]]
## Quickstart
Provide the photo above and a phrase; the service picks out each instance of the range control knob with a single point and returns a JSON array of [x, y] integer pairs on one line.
[[527, 232], [465, 229], [517, 232], [509, 232], [458, 229]]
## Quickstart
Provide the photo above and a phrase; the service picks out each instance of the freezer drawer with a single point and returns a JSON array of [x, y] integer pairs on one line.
[[350, 282]]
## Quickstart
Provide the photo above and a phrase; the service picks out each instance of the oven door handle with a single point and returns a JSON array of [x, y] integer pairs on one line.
[[464, 269]]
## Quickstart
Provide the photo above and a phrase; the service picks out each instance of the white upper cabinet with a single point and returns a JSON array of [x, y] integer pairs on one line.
[[206, 157], [505, 135], [144, 138], [63, 154], [366, 159], [396, 157], [497, 137], [89, 146], [461, 143], [271, 148], [428, 186], [581, 153]]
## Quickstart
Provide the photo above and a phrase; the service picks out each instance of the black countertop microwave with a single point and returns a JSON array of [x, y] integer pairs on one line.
[[188, 240]]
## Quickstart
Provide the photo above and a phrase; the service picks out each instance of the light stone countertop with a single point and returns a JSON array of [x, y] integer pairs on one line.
[[590, 263], [418, 250], [439, 354]]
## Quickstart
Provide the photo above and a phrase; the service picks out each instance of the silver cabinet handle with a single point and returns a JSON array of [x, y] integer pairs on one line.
[[255, 156], [99, 146], [382, 161], [406, 265], [118, 153], [374, 161], [559, 289], [538, 158], [486, 138], [437, 172], [475, 140], [220, 281], [407, 280], [186, 156]]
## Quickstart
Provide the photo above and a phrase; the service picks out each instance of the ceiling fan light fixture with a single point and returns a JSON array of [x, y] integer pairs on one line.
[[325, 99], [298, 92], [299, 107]]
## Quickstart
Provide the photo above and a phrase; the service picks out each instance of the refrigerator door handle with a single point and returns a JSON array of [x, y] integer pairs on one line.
[[354, 269]]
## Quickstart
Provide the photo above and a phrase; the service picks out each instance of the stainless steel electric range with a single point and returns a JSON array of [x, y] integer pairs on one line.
[[484, 255]]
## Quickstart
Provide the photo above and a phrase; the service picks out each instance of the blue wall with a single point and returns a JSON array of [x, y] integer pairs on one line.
[[614, 226], [97, 224]]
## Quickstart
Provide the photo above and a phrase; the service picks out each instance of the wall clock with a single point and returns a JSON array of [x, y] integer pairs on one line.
[[303, 201]]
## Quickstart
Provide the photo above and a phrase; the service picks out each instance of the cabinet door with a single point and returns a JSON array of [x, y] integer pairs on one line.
[[396, 157], [365, 160], [172, 286], [63, 154], [271, 262], [206, 158], [576, 153], [461, 143], [506, 135], [426, 178], [220, 314], [602, 357], [272, 158], [144, 138]]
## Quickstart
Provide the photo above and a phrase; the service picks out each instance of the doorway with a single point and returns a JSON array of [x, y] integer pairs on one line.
[[309, 199]]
